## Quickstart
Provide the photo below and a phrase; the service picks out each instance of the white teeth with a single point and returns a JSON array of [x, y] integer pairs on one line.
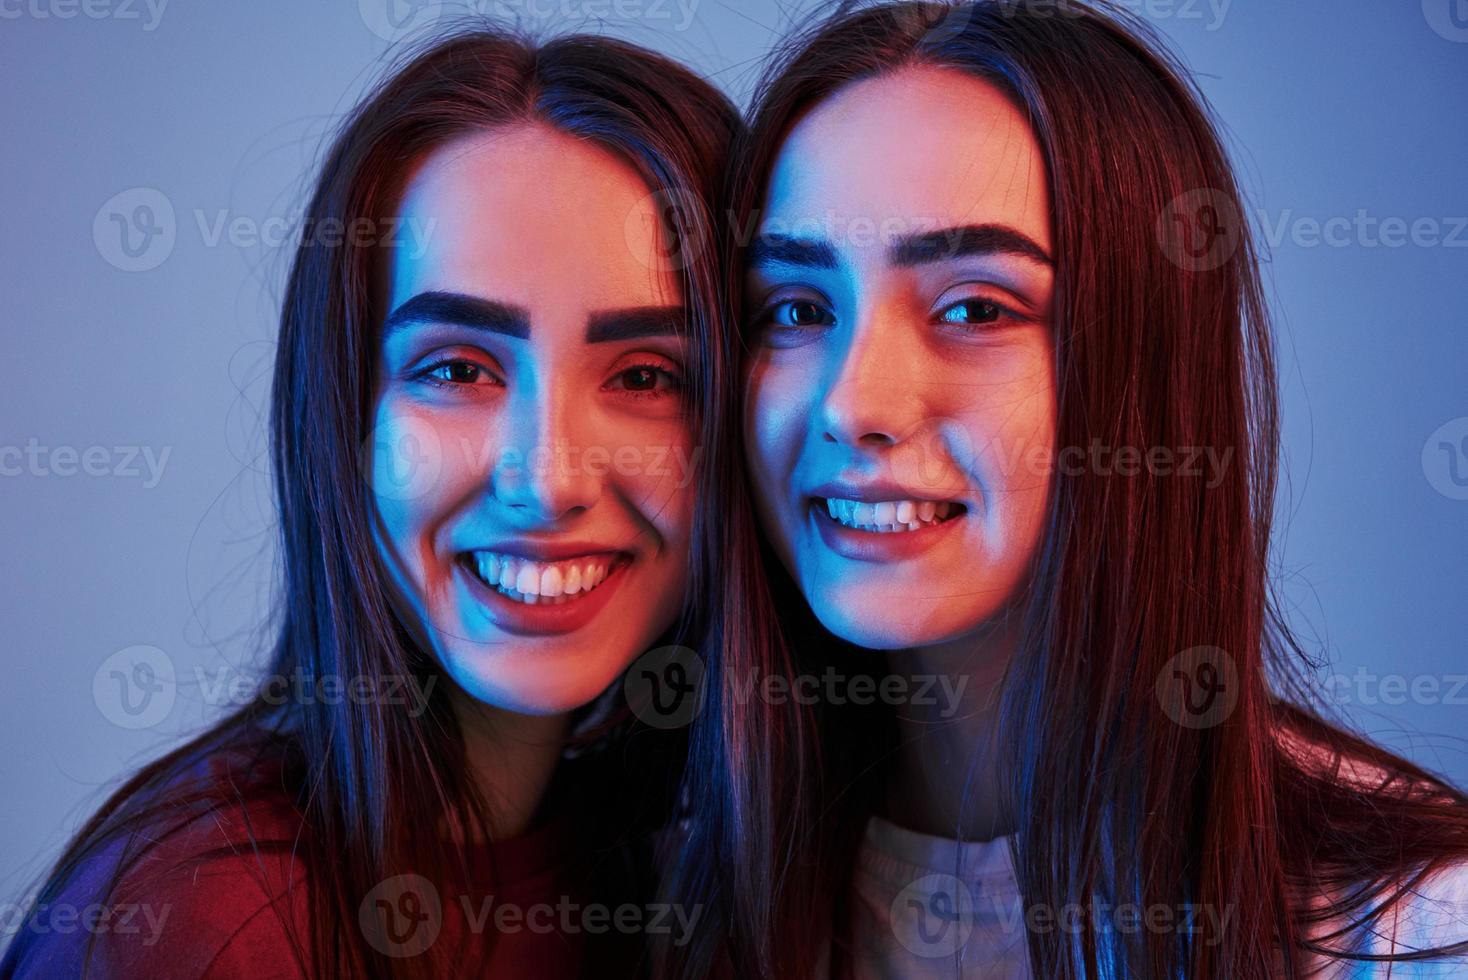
[[536, 582], [888, 516], [489, 566]]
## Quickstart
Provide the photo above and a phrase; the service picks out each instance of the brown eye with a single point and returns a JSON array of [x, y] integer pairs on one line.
[[805, 314], [972, 311], [646, 380], [640, 379], [793, 322], [458, 373], [800, 313]]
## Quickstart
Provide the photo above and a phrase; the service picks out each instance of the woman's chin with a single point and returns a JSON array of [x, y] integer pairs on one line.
[[534, 682], [892, 622]]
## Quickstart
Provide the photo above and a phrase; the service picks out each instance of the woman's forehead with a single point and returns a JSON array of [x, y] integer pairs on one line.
[[530, 215], [922, 146]]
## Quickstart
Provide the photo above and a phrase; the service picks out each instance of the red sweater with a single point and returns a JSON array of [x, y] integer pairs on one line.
[[203, 901]]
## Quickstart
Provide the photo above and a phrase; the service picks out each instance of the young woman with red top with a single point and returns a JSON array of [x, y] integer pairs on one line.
[[490, 430]]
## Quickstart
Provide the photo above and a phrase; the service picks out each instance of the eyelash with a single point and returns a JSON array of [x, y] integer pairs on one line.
[[1005, 312], [766, 317], [428, 373], [675, 387]]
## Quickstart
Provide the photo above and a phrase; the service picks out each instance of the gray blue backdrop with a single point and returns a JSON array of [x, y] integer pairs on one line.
[[156, 157]]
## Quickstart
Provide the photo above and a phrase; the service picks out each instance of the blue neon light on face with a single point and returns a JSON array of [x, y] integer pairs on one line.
[[900, 408]]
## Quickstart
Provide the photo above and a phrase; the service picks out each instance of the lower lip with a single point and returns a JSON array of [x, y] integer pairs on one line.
[[878, 546], [523, 619]]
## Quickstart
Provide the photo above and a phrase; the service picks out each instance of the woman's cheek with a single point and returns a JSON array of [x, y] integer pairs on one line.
[[667, 478], [427, 464], [1019, 467], [421, 454], [778, 415]]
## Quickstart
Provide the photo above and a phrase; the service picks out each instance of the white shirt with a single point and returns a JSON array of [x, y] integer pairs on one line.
[[933, 907]]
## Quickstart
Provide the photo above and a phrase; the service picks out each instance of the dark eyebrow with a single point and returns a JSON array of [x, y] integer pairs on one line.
[[814, 253], [463, 310], [954, 243], [634, 322]]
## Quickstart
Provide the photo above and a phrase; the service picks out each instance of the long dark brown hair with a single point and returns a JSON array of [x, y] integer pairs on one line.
[[372, 781], [1157, 343]]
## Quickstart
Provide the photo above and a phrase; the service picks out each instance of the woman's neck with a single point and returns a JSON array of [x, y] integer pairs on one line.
[[946, 778], [512, 759]]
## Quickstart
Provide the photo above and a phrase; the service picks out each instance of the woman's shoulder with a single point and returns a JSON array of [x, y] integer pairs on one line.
[[1422, 906], [1430, 914], [208, 879]]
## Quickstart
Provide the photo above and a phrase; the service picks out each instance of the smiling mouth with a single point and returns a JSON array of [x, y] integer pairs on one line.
[[545, 583], [889, 516]]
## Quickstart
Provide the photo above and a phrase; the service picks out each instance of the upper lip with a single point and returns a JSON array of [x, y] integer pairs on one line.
[[873, 493], [549, 550]]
